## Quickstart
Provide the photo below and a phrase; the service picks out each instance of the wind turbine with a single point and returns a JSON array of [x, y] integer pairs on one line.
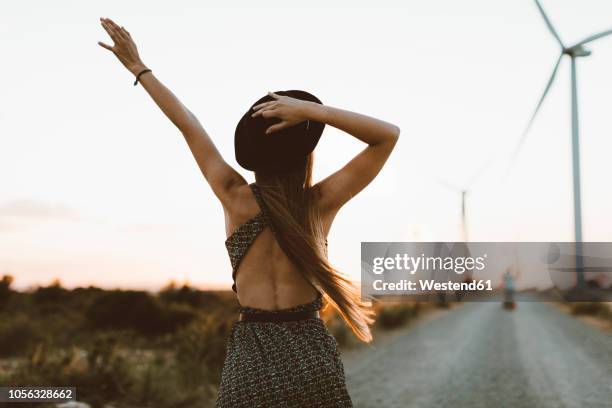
[[462, 246], [464, 192], [573, 52]]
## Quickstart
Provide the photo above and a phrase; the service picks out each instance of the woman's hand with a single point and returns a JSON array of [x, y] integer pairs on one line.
[[289, 110], [124, 47]]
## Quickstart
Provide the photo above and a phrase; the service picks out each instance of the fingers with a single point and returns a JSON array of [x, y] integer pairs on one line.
[[119, 30], [277, 127], [108, 47], [110, 31], [259, 109], [267, 113], [113, 24], [272, 94], [263, 105], [115, 32], [126, 31], [268, 104]]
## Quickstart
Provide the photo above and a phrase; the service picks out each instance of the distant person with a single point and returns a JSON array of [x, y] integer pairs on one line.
[[508, 287], [280, 353]]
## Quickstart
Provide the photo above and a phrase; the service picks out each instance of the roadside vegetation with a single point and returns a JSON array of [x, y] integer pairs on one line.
[[128, 348]]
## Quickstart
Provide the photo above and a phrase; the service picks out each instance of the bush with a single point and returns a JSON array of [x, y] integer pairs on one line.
[[200, 349], [136, 310], [18, 335], [107, 374], [393, 316], [591, 308], [108, 377], [90, 342], [51, 294], [5, 290], [188, 296], [162, 385], [341, 332]]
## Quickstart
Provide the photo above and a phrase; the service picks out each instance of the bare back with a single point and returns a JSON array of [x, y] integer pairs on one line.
[[265, 278]]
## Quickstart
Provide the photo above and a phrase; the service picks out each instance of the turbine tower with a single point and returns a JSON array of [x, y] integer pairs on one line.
[[464, 192], [573, 52]]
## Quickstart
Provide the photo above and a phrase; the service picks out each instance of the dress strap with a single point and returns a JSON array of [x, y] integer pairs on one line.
[[263, 206]]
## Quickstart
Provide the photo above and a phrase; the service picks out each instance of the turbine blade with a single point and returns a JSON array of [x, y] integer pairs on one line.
[[594, 37], [448, 185], [537, 109], [480, 172], [549, 24]]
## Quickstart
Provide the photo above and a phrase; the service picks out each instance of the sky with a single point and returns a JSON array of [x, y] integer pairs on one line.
[[98, 187]]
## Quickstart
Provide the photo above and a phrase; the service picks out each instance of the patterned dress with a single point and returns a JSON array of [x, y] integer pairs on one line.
[[278, 364]]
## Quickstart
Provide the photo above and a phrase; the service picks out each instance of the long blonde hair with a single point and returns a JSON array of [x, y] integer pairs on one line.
[[299, 231]]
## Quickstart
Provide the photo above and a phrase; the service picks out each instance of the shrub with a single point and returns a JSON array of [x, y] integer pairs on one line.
[[162, 385], [136, 310], [187, 295], [17, 335], [200, 349], [5, 290], [109, 376], [51, 294], [590, 308], [341, 332], [393, 316]]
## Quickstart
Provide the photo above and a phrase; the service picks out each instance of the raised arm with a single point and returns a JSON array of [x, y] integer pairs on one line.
[[221, 176], [380, 137]]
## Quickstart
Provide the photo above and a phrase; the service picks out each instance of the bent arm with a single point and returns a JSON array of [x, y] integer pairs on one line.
[[380, 136]]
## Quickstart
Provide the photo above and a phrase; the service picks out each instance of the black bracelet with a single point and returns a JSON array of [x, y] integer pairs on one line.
[[144, 71]]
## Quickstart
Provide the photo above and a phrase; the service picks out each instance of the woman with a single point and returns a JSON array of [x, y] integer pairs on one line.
[[279, 352]]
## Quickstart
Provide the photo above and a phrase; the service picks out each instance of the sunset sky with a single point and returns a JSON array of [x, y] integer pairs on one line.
[[98, 187]]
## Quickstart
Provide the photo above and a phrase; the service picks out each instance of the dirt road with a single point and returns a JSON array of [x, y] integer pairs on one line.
[[479, 355]]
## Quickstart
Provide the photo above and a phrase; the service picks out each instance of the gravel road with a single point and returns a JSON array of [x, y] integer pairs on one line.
[[479, 355]]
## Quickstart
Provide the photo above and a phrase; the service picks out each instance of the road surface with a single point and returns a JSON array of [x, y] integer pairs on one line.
[[479, 355]]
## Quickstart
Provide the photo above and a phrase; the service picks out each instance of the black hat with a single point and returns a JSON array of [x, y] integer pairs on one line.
[[283, 151]]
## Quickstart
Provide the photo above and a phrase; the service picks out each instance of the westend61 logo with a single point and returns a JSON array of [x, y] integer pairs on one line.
[[412, 264]]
